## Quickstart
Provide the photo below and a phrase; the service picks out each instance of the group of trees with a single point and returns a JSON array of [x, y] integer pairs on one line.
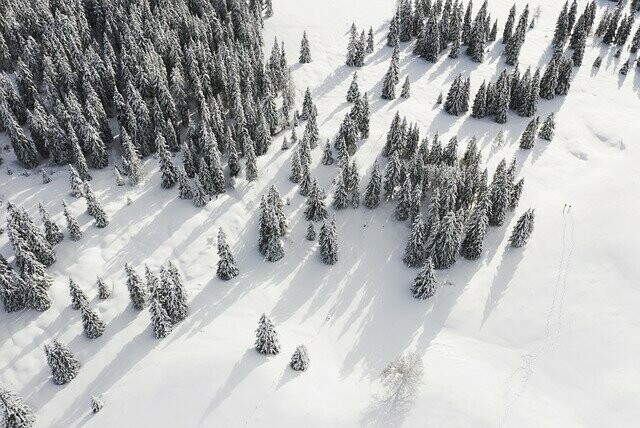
[[267, 343], [359, 46], [157, 71], [615, 29], [165, 294]]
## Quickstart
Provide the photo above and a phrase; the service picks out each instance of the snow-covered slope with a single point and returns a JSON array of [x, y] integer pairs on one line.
[[541, 336]]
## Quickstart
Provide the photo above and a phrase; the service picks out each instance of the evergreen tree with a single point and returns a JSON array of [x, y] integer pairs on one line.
[[372, 192], [406, 89], [311, 232], [251, 167], [12, 288], [415, 249], [72, 224], [353, 95], [315, 209], [78, 297], [528, 136], [305, 51], [522, 230], [160, 320], [499, 195], [178, 304], [63, 364], [92, 325], [227, 267], [327, 156], [103, 290], [548, 128], [340, 196], [370, 41], [329, 243], [425, 285], [391, 78], [479, 109], [446, 242], [266, 337], [404, 201], [300, 359], [52, 231], [392, 176], [77, 185], [15, 412], [168, 170], [472, 244], [516, 192], [137, 290], [46, 178]]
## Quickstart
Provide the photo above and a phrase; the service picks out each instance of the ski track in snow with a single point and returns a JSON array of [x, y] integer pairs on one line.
[[518, 379]]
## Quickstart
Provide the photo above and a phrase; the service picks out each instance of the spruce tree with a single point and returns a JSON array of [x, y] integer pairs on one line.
[[300, 359], [92, 325], [353, 94], [305, 51], [311, 232], [329, 243], [178, 304], [315, 209], [446, 242], [78, 297], [77, 186], [327, 156], [137, 290], [425, 285], [414, 251], [227, 268], [15, 412], [499, 195], [72, 224], [547, 130], [168, 170], [403, 208], [472, 244], [340, 195], [406, 89], [522, 230], [103, 290], [12, 288], [63, 364], [160, 320], [391, 78], [266, 337], [528, 136], [251, 167], [52, 232]]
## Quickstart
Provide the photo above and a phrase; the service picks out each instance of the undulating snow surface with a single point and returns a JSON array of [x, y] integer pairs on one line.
[[546, 335]]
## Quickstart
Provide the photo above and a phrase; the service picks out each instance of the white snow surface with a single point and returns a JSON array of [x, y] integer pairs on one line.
[[546, 335]]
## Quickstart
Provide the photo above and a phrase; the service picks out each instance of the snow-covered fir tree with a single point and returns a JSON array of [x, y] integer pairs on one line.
[[103, 290], [353, 93], [15, 412], [300, 359], [92, 324], [315, 209], [63, 364], [305, 50], [329, 243], [78, 297], [415, 250], [52, 231], [425, 285], [529, 135], [311, 232], [227, 268], [406, 89], [137, 290], [547, 131], [266, 337], [72, 224], [523, 229], [392, 78], [472, 244]]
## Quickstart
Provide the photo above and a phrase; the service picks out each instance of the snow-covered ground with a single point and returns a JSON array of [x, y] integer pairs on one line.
[[545, 335]]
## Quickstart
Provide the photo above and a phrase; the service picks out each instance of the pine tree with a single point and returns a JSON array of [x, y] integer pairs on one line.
[[516, 192], [499, 195], [300, 359], [415, 250], [63, 364], [251, 167], [15, 412], [353, 94], [103, 290], [77, 185], [137, 290], [391, 78], [72, 224], [329, 243], [370, 41], [403, 208], [36, 284], [227, 268], [547, 130], [160, 320], [52, 231], [471, 247], [168, 170], [446, 242], [184, 188], [178, 304], [78, 297], [305, 51], [12, 288], [522, 230], [528, 136], [315, 209], [425, 285], [479, 109], [266, 337], [327, 156], [311, 232], [92, 325], [406, 89], [340, 196]]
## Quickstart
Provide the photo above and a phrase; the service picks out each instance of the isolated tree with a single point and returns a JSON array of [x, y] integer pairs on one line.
[[72, 224], [522, 230], [547, 131], [402, 376], [300, 359], [63, 364], [15, 413], [425, 285], [305, 51], [137, 290], [227, 267], [329, 243], [266, 337], [103, 290], [92, 325]]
